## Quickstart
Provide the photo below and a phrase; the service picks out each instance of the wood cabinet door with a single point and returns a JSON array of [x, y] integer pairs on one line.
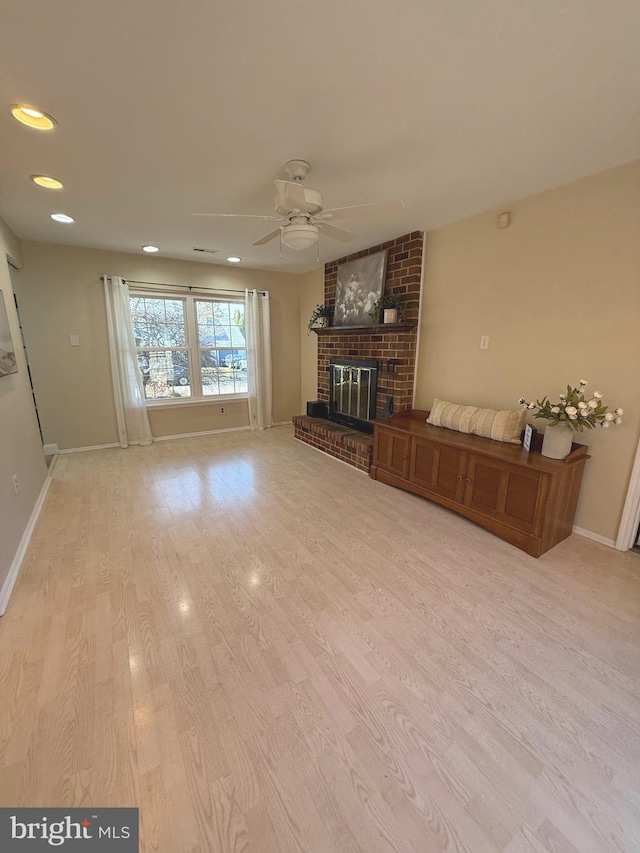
[[391, 452], [507, 493], [438, 468]]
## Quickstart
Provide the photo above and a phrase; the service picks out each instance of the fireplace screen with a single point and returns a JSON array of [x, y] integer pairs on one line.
[[353, 385]]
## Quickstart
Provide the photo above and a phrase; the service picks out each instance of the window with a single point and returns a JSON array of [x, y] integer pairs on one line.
[[188, 347]]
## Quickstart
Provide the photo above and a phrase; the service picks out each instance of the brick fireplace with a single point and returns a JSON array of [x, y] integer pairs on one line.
[[394, 349]]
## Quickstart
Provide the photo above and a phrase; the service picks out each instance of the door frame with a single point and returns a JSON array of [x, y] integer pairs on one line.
[[630, 520]]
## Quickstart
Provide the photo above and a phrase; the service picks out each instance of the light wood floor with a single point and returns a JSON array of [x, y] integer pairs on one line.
[[266, 651]]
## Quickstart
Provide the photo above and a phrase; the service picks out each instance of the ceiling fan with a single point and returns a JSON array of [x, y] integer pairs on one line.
[[301, 217]]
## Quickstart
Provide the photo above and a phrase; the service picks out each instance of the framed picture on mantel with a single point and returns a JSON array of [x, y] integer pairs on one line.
[[360, 283]]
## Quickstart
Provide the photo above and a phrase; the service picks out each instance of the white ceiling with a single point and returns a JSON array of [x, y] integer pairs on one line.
[[168, 107]]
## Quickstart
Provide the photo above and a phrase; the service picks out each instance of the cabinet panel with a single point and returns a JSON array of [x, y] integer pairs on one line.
[[522, 497], [438, 468], [392, 452], [502, 492]]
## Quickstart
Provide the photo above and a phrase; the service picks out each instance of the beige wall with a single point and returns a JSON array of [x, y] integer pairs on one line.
[[20, 446], [311, 287], [559, 295], [60, 294]]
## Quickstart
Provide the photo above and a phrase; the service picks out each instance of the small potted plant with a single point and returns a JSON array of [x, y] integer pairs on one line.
[[391, 306], [572, 413], [320, 318]]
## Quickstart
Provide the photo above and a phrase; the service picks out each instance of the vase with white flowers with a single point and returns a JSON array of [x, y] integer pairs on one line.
[[575, 411]]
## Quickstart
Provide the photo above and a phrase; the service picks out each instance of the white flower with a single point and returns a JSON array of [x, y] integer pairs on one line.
[[571, 410], [522, 400], [583, 382], [593, 403], [531, 405], [582, 404], [618, 421], [555, 409], [619, 411], [573, 417], [605, 424], [608, 416], [563, 397], [597, 395]]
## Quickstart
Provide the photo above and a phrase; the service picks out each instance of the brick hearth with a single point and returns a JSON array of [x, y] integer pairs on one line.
[[351, 446]]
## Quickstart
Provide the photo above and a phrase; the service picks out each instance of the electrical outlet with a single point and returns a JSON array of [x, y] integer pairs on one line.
[[222, 410], [484, 341], [73, 340], [16, 484]]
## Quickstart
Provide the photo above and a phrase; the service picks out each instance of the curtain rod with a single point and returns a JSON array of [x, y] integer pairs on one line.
[[188, 287]]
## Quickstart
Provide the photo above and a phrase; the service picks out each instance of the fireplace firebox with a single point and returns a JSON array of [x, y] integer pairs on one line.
[[352, 392]]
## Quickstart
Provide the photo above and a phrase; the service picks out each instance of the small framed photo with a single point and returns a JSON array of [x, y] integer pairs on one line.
[[529, 439]]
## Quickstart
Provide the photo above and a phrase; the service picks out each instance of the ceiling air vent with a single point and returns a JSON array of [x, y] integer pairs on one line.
[[207, 251]]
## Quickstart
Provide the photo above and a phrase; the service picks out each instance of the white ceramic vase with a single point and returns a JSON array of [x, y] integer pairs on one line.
[[557, 440], [390, 315]]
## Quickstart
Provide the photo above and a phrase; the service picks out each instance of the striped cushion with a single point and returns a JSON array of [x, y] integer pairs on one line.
[[451, 415], [489, 423]]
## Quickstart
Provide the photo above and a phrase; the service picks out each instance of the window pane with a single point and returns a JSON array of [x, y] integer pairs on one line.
[[237, 325], [210, 371], [220, 324], [165, 374], [158, 322], [237, 362]]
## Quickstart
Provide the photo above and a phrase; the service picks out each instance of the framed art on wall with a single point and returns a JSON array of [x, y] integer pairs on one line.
[[360, 284], [8, 363]]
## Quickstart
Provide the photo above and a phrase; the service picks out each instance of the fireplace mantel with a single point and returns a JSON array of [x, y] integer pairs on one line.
[[363, 330]]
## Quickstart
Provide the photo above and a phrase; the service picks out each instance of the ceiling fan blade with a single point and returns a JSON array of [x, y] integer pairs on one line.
[[292, 194], [242, 216], [364, 211], [337, 233], [267, 238]]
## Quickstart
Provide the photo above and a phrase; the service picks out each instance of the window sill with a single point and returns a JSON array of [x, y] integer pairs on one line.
[[186, 401]]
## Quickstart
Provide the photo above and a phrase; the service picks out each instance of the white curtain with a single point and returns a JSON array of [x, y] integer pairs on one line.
[[258, 339], [128, 391]]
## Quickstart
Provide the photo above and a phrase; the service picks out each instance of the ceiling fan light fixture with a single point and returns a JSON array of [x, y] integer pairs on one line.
[[300, 235], [234, 259]]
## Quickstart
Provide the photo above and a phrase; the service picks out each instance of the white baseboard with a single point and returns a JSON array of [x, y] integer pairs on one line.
[[589, 534], [194, 434], [92, 447], [51, 449], [164, 438], [14, 570]]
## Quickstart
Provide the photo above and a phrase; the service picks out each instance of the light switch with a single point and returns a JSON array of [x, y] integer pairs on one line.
[[73, 340], [484, 341]]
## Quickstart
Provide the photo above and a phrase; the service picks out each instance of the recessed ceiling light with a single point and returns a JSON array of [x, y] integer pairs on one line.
[[32, 117], [234, 260], [150, 249], [62, 217], [47, 182]]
